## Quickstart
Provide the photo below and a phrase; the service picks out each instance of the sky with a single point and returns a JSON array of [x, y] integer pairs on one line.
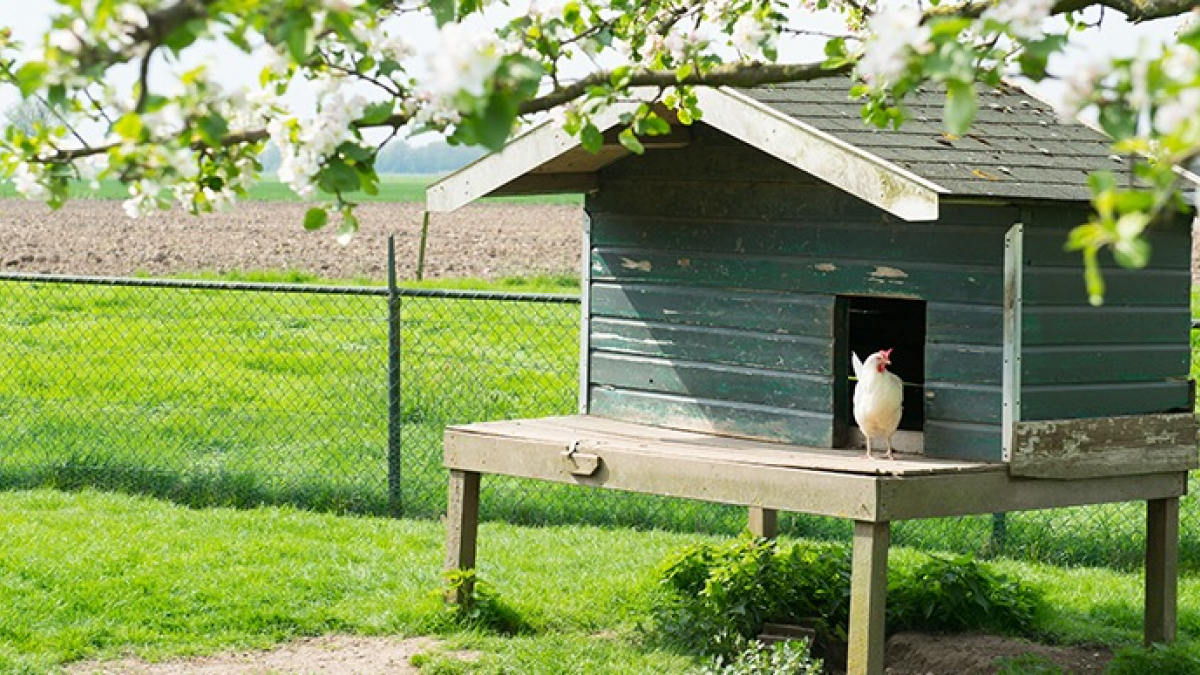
[[30, 20]]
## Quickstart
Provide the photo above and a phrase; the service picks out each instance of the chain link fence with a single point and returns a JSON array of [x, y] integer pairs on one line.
[[335, 398]]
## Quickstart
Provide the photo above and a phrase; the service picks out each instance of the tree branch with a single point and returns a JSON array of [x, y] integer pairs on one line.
[[731, 75], [1136, 11]]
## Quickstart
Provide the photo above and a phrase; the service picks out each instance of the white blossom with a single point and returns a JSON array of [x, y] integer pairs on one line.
[[1024, 18], [1081, 83], [29, 181], [463, 62], [547, 10], [1181, 63], [750, 35], [132, 15], [893, 32], [143, 198], [64, 40], [1173, 114]]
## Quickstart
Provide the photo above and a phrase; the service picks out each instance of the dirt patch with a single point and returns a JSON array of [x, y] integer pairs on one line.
[[921, 654], [907, 654], [88, 237], [330, 655]]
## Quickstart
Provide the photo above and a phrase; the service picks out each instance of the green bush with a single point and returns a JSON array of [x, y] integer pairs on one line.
[[714, 598], [960, 594]]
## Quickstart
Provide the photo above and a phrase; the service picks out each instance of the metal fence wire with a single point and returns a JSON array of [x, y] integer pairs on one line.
[[244, 394]]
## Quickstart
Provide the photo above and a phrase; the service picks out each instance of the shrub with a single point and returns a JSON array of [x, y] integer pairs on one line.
[[960, 594], [714, 598]]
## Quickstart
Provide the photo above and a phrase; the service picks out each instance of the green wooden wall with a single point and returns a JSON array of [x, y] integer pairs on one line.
[[714, 271]]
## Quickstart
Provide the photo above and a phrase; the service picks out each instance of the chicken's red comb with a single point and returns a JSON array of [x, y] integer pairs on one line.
[[886, 354]]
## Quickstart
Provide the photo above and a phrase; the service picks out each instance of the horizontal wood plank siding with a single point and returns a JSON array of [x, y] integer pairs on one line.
[[1104, 399], [969, 403], [963, 441], [713, 381], [882, 241], [766, 312], [928, 281], [1105, 325], [720, 417], [1129, 356], [964, 324], [774, 351]]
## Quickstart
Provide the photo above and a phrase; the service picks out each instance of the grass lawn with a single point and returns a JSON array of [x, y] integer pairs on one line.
[[392, 188], [93, 575]]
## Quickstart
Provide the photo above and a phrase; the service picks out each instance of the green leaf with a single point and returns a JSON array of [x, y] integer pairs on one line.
[[212, 128], [129, 126], [315, 218], [355, 152], [591, 138], [961, 107], [337, 176], [298, 35], [30, 76], [183, 37], [443, 11], [1118, 121], [619, 78], [630, 141]]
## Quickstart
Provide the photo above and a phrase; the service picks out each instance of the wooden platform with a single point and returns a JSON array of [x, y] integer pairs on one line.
[[840, 483], [598, 452]]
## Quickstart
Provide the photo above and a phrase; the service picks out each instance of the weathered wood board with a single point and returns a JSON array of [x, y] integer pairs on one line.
[[597, 452], [1107, 446]]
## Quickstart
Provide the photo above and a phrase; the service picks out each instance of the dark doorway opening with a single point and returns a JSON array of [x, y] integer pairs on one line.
[[870, 324]]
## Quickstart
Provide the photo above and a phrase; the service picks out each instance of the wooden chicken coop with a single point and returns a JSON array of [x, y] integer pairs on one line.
[[732, 268]]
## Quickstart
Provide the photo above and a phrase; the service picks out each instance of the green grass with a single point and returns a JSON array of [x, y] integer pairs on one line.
[[392, 188], [241, 399], [87, 575]]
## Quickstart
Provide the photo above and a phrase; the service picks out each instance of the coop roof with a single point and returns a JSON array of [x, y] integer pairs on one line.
[[1017, 148]]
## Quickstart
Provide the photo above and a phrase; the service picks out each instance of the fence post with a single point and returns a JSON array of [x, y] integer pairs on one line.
[[999, 532], [395, 493]]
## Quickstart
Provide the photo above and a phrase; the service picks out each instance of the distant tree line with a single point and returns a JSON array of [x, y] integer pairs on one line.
[[402, 157]]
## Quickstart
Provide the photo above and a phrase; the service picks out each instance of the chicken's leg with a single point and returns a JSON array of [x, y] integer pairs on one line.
[[868, 446], [889, 452]]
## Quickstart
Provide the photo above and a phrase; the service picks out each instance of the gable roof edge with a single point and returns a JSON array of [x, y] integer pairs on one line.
[[863, 174], [519, 156], [858, 172]]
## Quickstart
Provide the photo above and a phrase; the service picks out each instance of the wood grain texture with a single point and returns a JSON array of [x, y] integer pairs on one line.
[[1108, 446]]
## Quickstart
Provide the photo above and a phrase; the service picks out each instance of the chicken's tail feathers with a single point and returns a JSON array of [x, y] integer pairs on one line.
[[857, 363]]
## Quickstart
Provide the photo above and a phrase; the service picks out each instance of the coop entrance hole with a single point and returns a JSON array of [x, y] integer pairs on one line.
[[869, 324]]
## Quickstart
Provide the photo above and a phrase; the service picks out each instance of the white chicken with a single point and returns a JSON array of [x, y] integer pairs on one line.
[[878, 398]]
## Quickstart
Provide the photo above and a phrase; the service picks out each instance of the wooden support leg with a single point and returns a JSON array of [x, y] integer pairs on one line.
[[1162, 569], [764, 522], [868, 595], [462, 526]]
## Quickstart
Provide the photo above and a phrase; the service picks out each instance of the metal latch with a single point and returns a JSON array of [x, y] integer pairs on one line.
[[580, 463]]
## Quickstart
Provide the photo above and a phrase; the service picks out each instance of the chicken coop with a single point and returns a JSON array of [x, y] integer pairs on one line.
[[731, 269]]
